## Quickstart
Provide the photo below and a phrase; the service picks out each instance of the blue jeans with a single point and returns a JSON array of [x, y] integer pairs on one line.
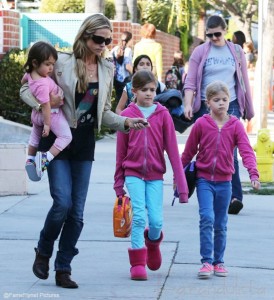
[[236, 181], [237, 191], [214, 198], [68, 181], [145, 195]]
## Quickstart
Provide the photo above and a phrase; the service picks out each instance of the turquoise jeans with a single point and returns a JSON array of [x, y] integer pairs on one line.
[[147, 203]]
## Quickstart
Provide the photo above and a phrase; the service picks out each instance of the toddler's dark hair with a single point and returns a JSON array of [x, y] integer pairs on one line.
[[39, 52], [141, 78]]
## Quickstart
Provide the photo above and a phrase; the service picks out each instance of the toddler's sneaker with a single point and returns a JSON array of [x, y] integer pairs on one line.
[[220, 270], [206, 271], [41, 163], [31, 170]]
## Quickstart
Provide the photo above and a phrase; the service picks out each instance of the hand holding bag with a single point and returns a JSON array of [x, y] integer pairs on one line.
[[122, 217]]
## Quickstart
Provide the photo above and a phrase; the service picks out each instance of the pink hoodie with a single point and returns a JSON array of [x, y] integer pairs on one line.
[[141, 153], [214, 148]]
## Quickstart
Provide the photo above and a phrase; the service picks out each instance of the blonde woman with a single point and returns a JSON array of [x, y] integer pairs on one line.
[[150, 47], [86, 79]]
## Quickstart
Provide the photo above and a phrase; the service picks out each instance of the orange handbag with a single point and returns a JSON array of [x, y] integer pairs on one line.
[[122, 217]]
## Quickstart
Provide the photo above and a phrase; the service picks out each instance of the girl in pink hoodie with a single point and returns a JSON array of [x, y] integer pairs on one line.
[[140, 164], [213, 138]]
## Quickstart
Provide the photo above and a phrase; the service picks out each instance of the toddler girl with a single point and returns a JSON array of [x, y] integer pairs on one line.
[[39, 65]]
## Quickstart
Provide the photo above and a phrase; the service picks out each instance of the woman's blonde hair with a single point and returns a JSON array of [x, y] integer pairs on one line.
[[216, 87], [148, 31], [80, 49]]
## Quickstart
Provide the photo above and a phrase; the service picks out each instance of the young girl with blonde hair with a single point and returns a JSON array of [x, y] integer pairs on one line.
[[213, 139]]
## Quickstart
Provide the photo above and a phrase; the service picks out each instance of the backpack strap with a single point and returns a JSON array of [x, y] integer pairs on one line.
[[238, 54], [158, 90]]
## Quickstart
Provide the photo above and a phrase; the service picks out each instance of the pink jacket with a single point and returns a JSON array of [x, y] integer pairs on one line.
[[215, 146], [141, 153], [195, 71]]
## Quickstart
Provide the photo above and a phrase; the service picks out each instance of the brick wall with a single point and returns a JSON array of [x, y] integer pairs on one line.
[[10, 30]]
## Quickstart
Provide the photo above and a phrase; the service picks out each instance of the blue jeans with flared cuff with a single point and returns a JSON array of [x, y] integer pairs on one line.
[[69, 181], [214, 198], [147, 203]]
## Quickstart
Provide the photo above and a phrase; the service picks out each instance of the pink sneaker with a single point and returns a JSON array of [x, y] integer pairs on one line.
[[220, 270], [206, 271]]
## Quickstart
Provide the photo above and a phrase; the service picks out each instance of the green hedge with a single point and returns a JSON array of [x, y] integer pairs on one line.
[[11, 72]]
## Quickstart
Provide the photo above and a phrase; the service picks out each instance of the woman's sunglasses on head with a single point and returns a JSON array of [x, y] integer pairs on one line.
[[97, 39], [216, 34]]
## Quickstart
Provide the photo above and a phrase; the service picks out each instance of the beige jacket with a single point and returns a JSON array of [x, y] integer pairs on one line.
[[65, 77]]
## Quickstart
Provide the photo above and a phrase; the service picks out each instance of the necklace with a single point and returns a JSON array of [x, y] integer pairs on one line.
[[91, 70]]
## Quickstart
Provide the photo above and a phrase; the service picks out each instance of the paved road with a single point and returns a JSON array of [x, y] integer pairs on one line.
[[102, 268]]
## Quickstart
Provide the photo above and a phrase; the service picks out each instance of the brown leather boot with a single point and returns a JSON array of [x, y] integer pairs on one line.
[[40, 266], [63, 279]]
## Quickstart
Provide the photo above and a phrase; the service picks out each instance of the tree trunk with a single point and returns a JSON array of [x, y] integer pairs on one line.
[[267, 61], [94, 6], [121, 10], [132, 7]]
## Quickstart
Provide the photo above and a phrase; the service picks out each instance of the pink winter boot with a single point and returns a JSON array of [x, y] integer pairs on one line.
[[154, 257], [137, 259]]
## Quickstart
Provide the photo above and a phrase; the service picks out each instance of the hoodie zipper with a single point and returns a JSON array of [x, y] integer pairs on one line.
[[145, 155], [146, 147], [215, 155]]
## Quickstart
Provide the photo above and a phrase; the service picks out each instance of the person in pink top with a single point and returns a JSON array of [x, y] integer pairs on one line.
[[219, 59], [213, 139], [140, 164], [39, 66]]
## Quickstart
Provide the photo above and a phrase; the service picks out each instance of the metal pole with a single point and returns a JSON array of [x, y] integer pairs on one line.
[[258, 95]]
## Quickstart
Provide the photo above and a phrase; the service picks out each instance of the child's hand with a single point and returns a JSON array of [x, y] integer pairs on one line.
[[256, 184], [56, 100], [46, 130], [183, 198]]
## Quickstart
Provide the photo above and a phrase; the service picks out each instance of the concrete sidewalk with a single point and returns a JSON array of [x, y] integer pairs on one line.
[[102, 268]]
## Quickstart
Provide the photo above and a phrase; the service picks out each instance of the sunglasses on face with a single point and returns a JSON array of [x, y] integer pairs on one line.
[[216, 34], [97, 39]]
